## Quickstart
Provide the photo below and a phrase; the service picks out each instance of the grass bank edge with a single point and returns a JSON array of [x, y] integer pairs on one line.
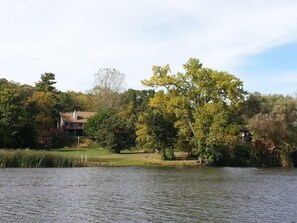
[[82, 157], [102, 157]]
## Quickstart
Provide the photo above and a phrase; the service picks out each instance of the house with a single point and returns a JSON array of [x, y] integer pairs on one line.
[[73, 122]]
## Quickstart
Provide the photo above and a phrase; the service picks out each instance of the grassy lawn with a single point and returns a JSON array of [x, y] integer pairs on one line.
[[102, 157]]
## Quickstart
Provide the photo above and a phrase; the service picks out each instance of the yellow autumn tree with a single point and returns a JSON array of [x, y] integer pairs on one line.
[[205, 103]]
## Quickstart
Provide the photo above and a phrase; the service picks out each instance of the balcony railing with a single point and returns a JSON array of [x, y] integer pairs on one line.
[[72, 127]]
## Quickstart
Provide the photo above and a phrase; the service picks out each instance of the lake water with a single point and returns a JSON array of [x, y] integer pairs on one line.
[[136, 194]]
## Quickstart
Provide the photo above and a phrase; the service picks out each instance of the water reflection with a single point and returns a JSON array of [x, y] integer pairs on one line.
[[148, 195]]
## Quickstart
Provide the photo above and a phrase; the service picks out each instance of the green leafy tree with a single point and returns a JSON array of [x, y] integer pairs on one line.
[[68, 101], [85, 101], [43, 106], [95, 122], [188, 95], [133, 103], [7, 84], [156, 132], [136, 100], [116, 135], [16, 117], [256, 103], [11, 116], [151, 129], [110, 131], [71, 100]]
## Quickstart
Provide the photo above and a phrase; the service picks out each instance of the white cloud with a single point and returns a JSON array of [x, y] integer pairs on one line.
[[73, 39]]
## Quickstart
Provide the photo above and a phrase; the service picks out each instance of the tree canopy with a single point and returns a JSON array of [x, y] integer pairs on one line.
[[109, 83], [203, 101], [46, 82]]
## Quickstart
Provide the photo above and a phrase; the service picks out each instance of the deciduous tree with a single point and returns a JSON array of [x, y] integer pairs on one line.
[[43, 106], [189, 95], [110, 131], [109, 83], [11, 116], [275, 129]]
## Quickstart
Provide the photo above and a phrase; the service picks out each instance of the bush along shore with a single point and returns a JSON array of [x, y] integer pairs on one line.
[[36, 158]]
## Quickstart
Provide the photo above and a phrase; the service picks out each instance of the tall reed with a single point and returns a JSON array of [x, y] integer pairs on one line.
[[34, 158]]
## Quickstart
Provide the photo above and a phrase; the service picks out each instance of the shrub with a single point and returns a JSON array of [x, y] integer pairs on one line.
[[167, 154], [209, 155]]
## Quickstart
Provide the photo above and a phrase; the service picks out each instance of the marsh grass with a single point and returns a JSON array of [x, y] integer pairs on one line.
[[35, 158]]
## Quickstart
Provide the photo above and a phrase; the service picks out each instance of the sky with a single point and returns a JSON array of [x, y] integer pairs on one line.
[[254, 40]]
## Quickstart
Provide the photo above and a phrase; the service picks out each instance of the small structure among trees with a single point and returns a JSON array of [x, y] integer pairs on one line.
[[74, 122], [246, 136]]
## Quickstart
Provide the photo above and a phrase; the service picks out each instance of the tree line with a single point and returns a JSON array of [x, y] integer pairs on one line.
[[203, 112]]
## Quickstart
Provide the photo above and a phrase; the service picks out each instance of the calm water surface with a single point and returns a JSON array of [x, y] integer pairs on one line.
[[148, 195]]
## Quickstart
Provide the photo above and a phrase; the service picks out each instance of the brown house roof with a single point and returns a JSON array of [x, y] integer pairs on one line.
[[76, 116]]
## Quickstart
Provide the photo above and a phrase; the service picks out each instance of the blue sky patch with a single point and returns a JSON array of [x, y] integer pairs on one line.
[[281, 58], [274, 70]]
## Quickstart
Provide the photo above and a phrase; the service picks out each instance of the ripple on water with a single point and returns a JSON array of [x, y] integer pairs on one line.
[[148, 195]]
